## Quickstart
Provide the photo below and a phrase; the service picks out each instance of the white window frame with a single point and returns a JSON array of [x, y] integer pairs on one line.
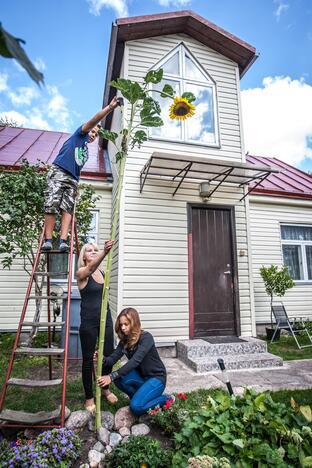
[[302, 245], [55, 280], [210, 83]]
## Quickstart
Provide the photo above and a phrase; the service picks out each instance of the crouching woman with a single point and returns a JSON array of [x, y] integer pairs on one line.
[[143, 377]]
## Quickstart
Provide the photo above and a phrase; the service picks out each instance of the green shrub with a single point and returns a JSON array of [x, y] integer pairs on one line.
[[140, 452], [252, 430], [171, 419]]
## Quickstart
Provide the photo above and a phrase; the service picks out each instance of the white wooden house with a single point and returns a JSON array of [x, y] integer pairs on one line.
[[188, 254]]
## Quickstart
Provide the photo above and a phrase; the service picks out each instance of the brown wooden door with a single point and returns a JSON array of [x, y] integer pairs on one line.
[[213, 272]]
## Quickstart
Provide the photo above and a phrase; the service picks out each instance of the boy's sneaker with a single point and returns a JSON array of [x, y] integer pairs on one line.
[[47, 245], [63, 246]]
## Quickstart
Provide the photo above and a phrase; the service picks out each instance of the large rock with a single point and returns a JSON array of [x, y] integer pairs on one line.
[[95, 458], [124, 418], [77, 420], [107, 420], [103, 435], [140, 429], [98, 446], [114, 439], [67, 414], [124, 431]]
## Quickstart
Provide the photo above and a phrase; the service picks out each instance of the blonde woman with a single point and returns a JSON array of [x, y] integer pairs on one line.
[[143, 377], [90, 281]]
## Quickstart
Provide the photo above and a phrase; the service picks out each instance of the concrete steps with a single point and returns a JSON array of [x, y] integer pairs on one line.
[[250, 353]]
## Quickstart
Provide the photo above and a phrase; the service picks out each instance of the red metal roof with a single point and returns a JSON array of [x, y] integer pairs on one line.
[[18, 143], [289, 182]]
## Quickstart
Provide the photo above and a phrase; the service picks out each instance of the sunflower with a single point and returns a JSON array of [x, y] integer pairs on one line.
[[181, 109]]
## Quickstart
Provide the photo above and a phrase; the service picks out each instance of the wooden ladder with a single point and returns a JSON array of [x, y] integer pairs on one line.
[[14, 418]]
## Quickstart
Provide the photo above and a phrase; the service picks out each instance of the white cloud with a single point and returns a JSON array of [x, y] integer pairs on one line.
[[57, 108], [3, 82], [120, 6], [174, 3], [39, 64], [281, 8], [277, 119], [23, 95]]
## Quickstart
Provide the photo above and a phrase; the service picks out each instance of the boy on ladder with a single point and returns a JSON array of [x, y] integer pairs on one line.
[[63, 177]]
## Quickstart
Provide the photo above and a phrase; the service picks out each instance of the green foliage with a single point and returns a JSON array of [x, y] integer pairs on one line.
[[167, 90], [154, 76], [22, 211], [138, 138], [108, 135], [287, 348], [6, 122], [276, 281], [140, 451], [189, 96], [250, 431], [58, 447], [131, 90], [10, 48], [204, 461]]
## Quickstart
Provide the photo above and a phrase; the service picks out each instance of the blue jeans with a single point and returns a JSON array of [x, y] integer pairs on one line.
[[144, 393]]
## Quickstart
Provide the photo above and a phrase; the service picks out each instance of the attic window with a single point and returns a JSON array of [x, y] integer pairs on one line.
[[184, 73]]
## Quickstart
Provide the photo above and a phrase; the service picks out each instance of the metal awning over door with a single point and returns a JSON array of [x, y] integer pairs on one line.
[[188, 169]]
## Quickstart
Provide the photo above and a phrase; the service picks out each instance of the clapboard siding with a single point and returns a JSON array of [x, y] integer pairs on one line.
[[153, 249], [265, 219], [14, 282]]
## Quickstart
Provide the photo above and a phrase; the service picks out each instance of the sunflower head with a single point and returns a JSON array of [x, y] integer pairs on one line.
[[181, 109]]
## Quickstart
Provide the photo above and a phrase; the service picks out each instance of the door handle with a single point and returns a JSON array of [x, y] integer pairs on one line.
[[227, 272]]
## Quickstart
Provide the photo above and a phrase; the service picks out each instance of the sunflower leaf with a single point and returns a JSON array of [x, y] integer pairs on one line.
[[108, 135], [129, 89], [189, 96], [154, 76], [168, 90], [150, 121], [138, 138]]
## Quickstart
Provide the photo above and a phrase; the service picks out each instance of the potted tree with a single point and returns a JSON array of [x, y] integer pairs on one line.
[[276, 282]]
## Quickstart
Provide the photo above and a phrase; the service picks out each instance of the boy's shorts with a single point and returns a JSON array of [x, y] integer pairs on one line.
[[60, 192]]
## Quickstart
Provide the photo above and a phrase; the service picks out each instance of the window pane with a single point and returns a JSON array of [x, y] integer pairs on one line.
[[309, 260], [293, 260], [171, 128], [192, 71], [201, 127], [303, 233], [172, 65]]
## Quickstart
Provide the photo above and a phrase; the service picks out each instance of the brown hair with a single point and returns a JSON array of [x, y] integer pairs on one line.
[[135, 327]]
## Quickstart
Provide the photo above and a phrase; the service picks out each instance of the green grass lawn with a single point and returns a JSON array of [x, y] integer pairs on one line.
[[287, 349]]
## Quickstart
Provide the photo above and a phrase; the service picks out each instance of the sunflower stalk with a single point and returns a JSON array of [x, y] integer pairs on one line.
[[147, 110]]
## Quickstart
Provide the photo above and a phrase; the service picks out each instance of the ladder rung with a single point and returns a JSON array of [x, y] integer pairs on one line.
[[49, 297], [55, 251], [43, 324], [28, 418], [34, 383], [40, 351], [50, 273]]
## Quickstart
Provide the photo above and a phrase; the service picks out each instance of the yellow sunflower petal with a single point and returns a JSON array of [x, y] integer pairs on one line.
[[181, 109]]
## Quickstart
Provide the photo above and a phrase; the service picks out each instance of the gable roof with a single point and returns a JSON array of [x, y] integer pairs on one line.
[[288, 182], [186, 22], [32, 144]]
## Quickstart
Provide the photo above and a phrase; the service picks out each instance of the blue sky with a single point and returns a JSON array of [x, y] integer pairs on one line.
[[69, 39]]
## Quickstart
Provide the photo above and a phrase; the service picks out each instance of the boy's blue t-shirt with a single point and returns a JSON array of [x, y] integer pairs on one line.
[[73, 154]]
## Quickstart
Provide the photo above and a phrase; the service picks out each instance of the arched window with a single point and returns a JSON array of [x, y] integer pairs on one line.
[[183, 72]]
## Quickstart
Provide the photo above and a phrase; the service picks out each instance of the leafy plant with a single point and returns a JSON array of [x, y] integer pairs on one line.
[[139, 452], [276, 282], [252, 430], [144, 111], [21, 219], [171, 417], [58, 447]]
